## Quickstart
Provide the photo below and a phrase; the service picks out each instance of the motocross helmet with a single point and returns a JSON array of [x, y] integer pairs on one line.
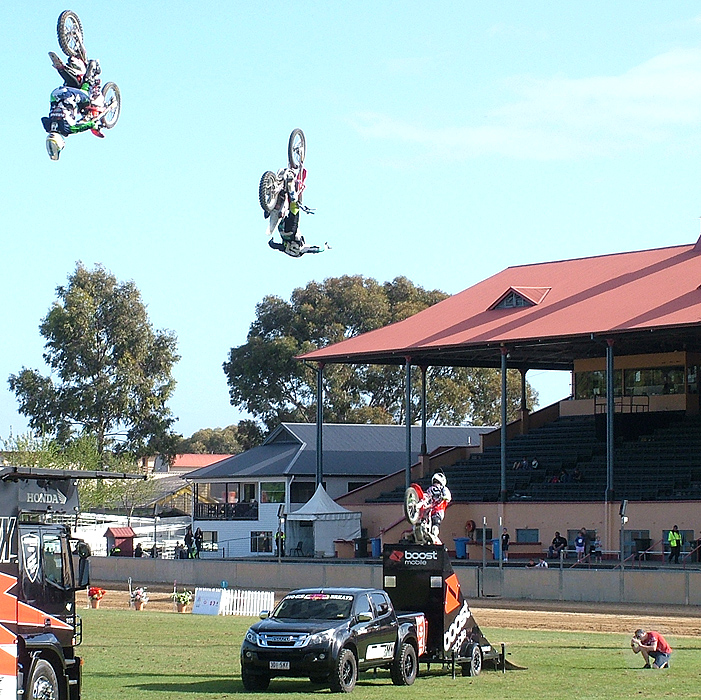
[[54, 145], [439, 478]]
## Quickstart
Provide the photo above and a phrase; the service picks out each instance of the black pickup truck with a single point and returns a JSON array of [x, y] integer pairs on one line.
[[329, 635]]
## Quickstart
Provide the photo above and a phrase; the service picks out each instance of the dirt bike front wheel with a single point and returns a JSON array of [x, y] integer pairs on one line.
[[70, 34], [268, 191], [412, 505], [296, 149], [113, 104]]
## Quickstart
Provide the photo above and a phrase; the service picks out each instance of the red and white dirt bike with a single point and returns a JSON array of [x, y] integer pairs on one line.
[[70, 39], [275, 188], [418, 509]]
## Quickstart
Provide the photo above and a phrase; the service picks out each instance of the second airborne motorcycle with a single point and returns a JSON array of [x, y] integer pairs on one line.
[[280, 196]]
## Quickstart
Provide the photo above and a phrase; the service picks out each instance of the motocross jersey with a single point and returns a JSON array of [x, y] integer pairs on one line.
[[439, 497], [66, 111]]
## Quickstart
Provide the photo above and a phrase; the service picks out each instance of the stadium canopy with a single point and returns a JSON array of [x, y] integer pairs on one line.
[[547, 315]]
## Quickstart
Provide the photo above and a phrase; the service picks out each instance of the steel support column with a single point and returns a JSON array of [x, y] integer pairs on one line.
[[424, 446], [502, 490], [610, 408], [407, 412], [319, 423]]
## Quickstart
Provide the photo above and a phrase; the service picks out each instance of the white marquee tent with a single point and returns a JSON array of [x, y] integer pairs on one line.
[[318, 523]]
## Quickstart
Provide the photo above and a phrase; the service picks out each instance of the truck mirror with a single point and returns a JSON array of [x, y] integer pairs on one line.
[[365, 616], [83, 573]]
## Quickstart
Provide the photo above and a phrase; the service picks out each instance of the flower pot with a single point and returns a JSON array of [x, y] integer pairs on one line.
[[182, 607], [94, 603], [138, 605]]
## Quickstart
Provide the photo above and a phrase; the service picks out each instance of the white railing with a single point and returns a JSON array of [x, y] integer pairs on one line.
[[238, 602]]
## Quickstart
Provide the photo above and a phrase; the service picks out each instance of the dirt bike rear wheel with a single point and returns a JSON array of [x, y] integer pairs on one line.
[[296, 148], [268, 191], [70, 34], [412, 507], [113, 104]]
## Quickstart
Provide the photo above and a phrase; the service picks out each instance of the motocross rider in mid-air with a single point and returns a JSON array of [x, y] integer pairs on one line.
[[437, 497], [76, 105], [292, 241]]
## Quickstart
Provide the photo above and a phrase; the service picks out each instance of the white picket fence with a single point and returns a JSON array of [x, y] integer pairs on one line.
[[238, 602]]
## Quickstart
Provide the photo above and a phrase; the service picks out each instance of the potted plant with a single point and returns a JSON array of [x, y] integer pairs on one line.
[[182, 599], [139, 597], [96, 594]]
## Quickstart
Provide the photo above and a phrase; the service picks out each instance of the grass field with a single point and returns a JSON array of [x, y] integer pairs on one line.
[[166, 656]]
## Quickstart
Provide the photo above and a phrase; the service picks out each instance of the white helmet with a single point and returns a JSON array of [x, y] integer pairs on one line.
[[440, 478], [54, 145]]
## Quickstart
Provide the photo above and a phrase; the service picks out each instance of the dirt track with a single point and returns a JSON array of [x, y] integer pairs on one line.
[[588, 617]]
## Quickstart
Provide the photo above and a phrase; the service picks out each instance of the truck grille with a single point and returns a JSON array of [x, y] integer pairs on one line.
[[289, 640]]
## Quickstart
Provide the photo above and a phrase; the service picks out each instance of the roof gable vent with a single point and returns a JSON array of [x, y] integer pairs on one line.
[[519, 297]]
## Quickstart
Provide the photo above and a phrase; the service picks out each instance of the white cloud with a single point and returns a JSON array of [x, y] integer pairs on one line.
[[561, 117]]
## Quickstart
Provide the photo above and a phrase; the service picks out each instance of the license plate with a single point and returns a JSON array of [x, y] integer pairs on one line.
[[279, 665]]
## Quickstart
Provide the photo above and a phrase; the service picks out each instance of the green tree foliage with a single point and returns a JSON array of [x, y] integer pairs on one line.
[[110, 371], [230, 440], [265, 378]]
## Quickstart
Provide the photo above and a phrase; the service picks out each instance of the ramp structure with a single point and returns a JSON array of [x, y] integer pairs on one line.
[[420, 578]]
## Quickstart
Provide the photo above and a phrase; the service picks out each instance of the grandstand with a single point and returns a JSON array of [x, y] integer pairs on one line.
[[627, 326]]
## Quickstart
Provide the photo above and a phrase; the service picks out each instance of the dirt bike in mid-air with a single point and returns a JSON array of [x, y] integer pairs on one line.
[[418, 509], [82, 103], [278, 190]]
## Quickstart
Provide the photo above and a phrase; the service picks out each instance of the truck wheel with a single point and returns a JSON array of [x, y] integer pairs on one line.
[[474, 665], [405, 665], [43, 684], [254, 682], [345, 673]]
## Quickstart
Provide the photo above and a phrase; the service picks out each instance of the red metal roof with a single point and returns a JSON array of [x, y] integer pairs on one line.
[[608, 294], [119, 532]]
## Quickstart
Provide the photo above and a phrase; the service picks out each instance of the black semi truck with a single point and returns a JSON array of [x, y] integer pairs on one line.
[[41, 567]]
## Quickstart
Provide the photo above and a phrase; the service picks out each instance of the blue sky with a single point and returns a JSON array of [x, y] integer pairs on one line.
[[446, 141]]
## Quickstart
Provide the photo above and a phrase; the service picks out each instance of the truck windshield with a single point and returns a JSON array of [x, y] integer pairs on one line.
[[314, 607]]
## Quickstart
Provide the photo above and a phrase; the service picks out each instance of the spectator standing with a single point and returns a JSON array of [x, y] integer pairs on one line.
[[139, 551], [505, 545], [596, 548], [190, 542], [675, 545], [580, 544], [199, 539], [542, 564]]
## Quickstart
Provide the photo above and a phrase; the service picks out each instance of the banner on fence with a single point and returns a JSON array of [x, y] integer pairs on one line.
[[227, 601], [207, 601]]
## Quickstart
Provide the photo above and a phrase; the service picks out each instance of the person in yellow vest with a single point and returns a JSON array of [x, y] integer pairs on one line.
[[675, 544]]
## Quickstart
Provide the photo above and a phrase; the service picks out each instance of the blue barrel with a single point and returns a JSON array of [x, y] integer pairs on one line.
[[461, 547], [376, 546], [496, 548]]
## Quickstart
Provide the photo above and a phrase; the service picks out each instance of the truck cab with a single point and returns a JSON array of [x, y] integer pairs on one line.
[[329, 635], [41, 567]]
